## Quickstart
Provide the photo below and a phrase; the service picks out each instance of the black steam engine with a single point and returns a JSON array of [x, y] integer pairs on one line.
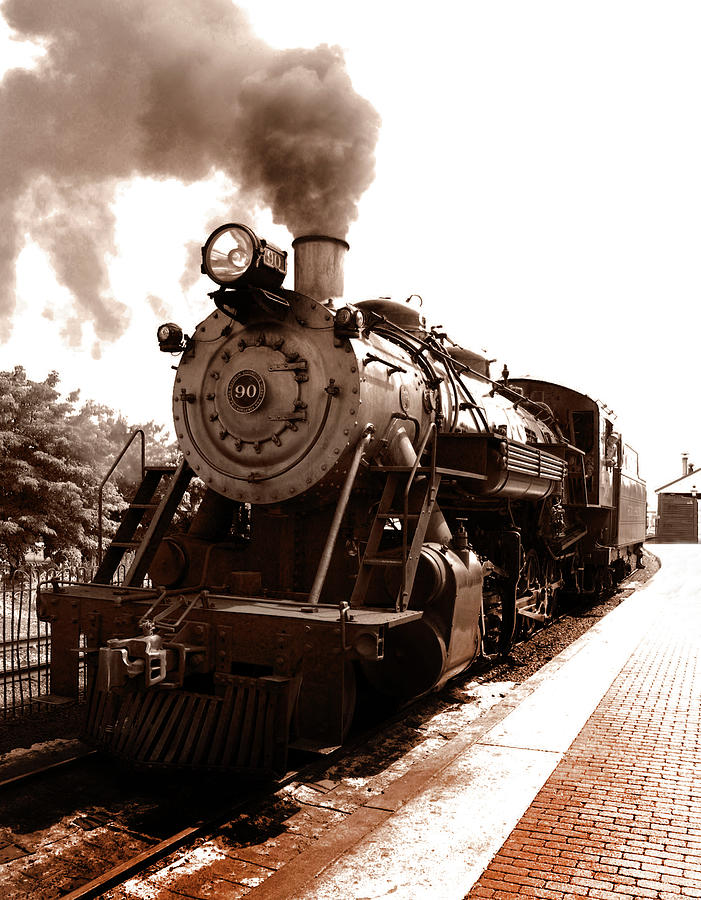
[[377, 513]]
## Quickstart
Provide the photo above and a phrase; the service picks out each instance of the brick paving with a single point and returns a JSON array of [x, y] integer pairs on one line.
[[620, 817]]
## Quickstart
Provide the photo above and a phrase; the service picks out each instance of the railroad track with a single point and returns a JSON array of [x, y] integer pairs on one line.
[[147, 848], [45, 769], [88, 767], [117, 874]]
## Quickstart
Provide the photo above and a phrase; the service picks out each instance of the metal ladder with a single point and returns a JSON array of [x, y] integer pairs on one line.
[[135, 514], [396, 477]]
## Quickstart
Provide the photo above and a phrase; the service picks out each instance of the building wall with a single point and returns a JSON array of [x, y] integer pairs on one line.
[[678, 519]]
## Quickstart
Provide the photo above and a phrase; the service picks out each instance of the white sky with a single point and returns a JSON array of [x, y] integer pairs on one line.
[[538, 184]]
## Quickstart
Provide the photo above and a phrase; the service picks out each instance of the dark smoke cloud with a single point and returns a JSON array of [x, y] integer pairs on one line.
[[164, 88]]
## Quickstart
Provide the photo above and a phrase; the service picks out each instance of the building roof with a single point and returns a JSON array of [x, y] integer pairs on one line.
[[685, 484]]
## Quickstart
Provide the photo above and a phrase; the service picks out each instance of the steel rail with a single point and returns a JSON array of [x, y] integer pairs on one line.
[[42, 770], [11, 674], [119, 873]]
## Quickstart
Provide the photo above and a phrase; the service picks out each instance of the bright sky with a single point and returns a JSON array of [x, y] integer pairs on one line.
[[538, 183]]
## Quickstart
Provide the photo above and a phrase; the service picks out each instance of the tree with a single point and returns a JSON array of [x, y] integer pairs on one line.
[[53, 457]]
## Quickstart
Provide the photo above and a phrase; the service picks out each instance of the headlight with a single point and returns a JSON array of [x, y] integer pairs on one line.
[[348, 321], [170, 337], [229, 253], [233, 255]]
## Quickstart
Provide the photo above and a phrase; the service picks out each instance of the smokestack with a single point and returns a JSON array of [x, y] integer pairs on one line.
[[685, 464], [319, 266]]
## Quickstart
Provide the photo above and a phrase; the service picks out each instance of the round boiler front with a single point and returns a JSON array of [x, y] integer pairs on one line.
[[266, 409]]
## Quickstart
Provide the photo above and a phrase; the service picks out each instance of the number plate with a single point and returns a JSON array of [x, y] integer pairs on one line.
[[246, 391]]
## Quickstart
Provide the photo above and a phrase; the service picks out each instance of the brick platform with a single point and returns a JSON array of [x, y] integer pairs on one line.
[[621, 814]]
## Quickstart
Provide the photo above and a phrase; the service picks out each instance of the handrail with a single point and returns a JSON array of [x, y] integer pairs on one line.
[[431, 431], [327, 552], [139, 432]]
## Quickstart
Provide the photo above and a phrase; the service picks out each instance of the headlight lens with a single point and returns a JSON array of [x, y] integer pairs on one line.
[[234, 256], [229, 253]]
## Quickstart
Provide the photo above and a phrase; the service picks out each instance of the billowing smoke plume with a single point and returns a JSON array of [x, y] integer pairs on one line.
[[164, 88]]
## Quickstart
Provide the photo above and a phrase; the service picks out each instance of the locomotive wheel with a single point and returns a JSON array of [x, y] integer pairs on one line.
[[619, 570], [490, 619], [529, 583], [551, 576], [605, 582]]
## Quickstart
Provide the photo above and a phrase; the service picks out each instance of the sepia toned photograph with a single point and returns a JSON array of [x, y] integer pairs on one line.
[[349, 519]]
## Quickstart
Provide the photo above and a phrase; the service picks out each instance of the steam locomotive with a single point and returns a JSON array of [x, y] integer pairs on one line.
[[377, 512]]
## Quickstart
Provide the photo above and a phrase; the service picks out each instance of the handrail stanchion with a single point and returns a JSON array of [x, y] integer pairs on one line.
[[325, 560], [139, 432]]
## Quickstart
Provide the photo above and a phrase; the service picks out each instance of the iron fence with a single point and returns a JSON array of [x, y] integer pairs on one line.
[[25, 642]]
